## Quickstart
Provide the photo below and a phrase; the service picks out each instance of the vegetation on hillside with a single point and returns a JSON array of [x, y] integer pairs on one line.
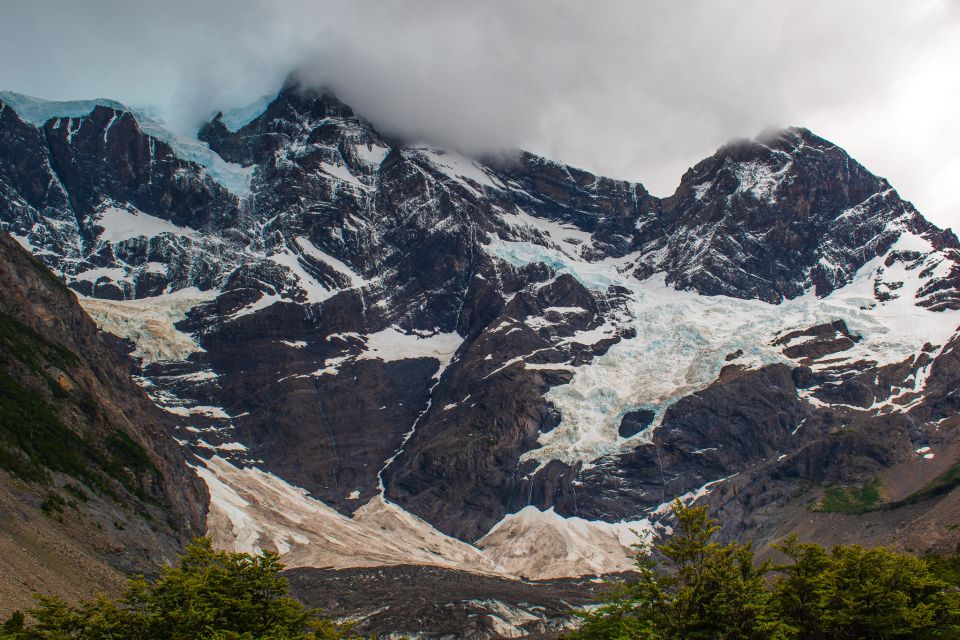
[[851, 500], [35, 440], [692, 588], [209, 595]]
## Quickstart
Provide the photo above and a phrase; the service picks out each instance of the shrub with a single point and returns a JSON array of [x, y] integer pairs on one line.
[[209, 595]]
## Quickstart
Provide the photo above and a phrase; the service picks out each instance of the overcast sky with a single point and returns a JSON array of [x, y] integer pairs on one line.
[[632, 89]]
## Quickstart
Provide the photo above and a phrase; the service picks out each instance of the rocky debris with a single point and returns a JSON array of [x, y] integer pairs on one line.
[[440, 603]]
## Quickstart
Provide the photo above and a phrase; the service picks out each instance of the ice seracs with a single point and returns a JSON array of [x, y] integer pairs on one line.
[[149, 323], [682, 338]]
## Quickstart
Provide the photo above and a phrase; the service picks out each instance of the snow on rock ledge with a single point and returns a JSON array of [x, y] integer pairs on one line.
[[391, 344], [123, 223]]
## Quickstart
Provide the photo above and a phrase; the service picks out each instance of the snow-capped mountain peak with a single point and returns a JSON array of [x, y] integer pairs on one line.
[[379, 329]]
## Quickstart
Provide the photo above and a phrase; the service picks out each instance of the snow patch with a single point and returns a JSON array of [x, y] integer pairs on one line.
[[265, 300], [458, 167], [690, 496], [114, 274], [315, 291], [339, 266], [342, 173], [120, 224], [371, 154], [392, 344]]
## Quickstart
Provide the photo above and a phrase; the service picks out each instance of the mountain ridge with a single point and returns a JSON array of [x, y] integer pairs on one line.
[[528, 335]]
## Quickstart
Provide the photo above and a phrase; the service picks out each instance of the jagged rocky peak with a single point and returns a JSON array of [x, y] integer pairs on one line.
[[772, 217], [107, 203], [298, 113], [133, 167]]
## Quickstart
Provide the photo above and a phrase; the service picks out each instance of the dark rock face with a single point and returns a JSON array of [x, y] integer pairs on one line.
[[105, 156], [822, 340], [59, 180], [76, 427], [767, 220], [634, 422], [742, 419], [466, 448], [371, 315], [940, 401]]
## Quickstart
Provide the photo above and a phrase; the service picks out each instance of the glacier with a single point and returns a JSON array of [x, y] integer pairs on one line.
[[682, 339], [231, 176]]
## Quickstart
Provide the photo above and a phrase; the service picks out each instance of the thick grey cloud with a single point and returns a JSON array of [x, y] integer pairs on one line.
[[636, 89]]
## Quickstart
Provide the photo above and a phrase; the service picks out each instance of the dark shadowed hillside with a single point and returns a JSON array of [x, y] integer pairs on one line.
[[91, 482]]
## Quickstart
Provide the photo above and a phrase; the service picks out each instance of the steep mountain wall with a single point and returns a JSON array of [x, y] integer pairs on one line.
[[510, 351]]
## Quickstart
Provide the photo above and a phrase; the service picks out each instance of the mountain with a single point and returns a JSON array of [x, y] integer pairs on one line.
[[91, 484], [511, 366]]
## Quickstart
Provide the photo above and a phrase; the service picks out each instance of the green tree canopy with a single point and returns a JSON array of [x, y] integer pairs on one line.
[[209, 595], [690, 587]]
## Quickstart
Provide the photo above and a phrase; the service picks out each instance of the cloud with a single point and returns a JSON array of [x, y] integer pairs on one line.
[[635, 89]]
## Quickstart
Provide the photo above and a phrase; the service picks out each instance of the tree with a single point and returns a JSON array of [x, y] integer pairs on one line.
[[800, 593], [209, 595], [704, 591], [13, 624], [629, 610], [717, 591], [701, 590], [878, 593]]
